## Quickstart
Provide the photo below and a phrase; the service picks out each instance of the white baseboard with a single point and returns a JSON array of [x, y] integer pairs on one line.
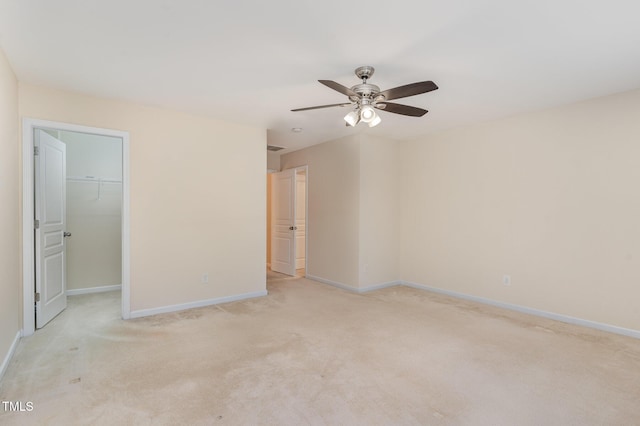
[[379, 286], [9, 355], [76, 291], [332, 283], [531, 311], [351, 288], [197, 304]]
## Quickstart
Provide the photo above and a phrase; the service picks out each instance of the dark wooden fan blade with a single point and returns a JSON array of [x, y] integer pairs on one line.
[[409, 90], [402, 109], [321, 106], [338, 87]]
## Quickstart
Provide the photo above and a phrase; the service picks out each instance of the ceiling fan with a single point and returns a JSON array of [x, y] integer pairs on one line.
[[366, 98]]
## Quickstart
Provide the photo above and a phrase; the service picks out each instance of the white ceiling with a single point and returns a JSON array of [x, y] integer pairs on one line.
[[252, 62]]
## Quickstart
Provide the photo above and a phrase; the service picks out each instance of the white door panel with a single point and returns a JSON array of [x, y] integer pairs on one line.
[[301, 201], [53, 275], [283, 250], [283, 241], [300, 256], [50, 212]]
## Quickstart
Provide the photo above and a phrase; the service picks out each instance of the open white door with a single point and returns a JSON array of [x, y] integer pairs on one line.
[[301, 221], [50, 212], [283, 227]]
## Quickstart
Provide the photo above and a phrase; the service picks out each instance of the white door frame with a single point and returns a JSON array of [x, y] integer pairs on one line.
[[28, 189], [306, 217]]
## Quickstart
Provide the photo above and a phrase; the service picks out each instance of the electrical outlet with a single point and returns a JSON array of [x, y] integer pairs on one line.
[[506, 279], [205, 278]]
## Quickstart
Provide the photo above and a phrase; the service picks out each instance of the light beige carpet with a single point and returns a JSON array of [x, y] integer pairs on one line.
[[312, 354]]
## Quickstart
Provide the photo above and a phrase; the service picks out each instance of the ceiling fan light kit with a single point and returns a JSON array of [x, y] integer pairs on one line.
[[367, 114], [366, 98], [376, 120], [352, 118]]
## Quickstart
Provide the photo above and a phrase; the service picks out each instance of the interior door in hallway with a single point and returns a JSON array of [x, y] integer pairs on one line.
[[50, 212], [301, 221], [283, 231]]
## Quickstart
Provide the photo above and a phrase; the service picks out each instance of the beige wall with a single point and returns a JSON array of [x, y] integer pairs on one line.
[[550, 198], [379, 211], [10, 268], [273, 161], [354, 232], [333, 215], [197, 196]]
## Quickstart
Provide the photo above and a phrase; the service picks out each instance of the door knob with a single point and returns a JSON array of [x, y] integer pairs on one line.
[[291, 228], [66, 234]]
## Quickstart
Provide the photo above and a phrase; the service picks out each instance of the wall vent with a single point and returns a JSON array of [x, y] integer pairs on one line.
[[274, 148]]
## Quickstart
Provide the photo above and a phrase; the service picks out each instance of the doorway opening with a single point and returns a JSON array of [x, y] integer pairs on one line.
[[88, 223], [93, 212], [287, 222]]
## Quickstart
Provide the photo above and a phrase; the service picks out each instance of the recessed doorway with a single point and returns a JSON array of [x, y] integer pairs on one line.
[[75, 186], [287, 217]]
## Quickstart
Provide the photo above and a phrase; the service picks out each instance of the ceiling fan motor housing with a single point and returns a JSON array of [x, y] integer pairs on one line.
[[367, 93], [365, 72], [366, 90]]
